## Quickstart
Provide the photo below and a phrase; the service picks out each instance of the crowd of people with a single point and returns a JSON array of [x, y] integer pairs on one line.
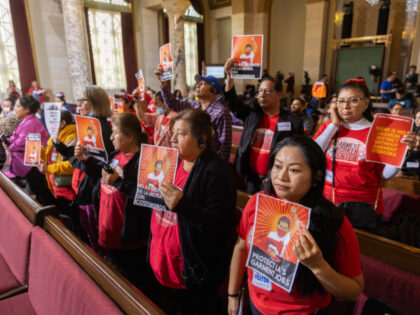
[[180, 258]]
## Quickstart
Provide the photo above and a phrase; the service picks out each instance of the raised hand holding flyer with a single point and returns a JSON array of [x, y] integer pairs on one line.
[[32, 149], [140, 80], [157, 165], [247, 50], [52, 112], [89, 135], [384, 139], [165, 58], [278, 224]]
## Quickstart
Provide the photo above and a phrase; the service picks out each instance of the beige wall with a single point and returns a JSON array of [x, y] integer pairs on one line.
[[287, 38], [47, 25]]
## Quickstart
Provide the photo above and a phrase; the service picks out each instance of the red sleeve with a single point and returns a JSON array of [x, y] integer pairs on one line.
[[321, 129], [247, 218], [347, 257]]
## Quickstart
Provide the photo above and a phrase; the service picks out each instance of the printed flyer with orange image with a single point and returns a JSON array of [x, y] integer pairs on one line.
[[277, 226], [140, 81], [247, 50], [32, 149], [166, 64], [89, 135], [384, 139], [112, 104], [157, 165]]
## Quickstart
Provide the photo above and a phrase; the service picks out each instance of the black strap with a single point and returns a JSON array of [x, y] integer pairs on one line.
[[334, 150]]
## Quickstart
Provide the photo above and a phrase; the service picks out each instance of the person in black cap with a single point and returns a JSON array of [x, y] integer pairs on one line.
[[207, 89]]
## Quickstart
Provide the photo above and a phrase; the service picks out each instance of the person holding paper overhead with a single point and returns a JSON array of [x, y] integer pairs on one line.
[[328, 251], [208, 87], [189, 246], [343, 139], [264, 125]]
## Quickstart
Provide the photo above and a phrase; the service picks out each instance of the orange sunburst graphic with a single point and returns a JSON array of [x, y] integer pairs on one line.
[[269, 211], [150, 154]]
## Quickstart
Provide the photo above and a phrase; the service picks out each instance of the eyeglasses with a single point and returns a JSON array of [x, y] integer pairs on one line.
[[81, 100], [266, 91], [353, 101]]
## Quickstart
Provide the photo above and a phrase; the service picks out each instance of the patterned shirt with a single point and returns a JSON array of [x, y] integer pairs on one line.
[[220, 119]]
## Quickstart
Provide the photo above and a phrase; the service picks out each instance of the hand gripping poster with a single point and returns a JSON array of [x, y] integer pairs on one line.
[[165, 58], [278, 224], [384, 139], [32, 149], [89, 135], [140, 81], [52, 112], [247, 50], [157, 165]]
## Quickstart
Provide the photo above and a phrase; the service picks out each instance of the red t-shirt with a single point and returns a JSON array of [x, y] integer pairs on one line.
[[279, 301], [111, 207], [261, 144], [355, 178], [165, 247]]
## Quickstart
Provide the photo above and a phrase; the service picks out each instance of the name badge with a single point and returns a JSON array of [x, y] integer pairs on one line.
[[284, 126], [413, 165], [328, 176], [54, 157], [260, 281]]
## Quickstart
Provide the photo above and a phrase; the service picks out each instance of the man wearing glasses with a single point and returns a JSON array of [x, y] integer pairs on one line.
[[264, 125]]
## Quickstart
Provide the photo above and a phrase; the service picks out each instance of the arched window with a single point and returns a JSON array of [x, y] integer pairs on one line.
[[190, 41], [8, 60]]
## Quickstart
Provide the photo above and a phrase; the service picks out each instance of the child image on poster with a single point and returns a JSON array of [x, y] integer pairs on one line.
[[278, 225], [157, 165], [33, 149], [89, 135], [247, 53], [165, 62]]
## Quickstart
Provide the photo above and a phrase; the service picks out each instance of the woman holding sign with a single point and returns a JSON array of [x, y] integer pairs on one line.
[[25, 110], [328, 251], [189, 252], [349, 176]]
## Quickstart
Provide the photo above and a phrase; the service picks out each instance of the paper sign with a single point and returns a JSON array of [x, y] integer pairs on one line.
[[165, 58], [157, 165], [112, 104], [32, 149], [247, 50], [89, 135], [278, 224], [52, 113], [140, 80], [384, 139]]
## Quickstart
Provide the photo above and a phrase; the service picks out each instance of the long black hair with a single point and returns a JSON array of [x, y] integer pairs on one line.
[[326, 218], [362, 88]]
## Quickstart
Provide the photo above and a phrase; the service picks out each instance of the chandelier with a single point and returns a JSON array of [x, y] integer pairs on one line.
[[372, 2]]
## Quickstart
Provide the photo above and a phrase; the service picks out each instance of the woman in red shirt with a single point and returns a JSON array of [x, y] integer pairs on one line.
[[328, 251]]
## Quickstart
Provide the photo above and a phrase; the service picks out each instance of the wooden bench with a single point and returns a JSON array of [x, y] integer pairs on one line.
[[407, 185]]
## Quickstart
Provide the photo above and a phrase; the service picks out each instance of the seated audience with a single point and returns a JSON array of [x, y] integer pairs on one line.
[[401, 98], [388, 88], [7, 107], [298, 108], [319, 92], [206, 91], [37, 91], [380, 110], [189, 250], [12, 88], [328, 251], [264, 125], [25, 110], [178, 95], [343, 139], [125, 103]]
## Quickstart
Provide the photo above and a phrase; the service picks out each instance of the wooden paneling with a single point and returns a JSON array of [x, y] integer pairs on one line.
[[407, 185]]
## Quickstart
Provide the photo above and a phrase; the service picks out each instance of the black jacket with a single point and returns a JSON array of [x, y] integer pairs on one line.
[[251, 115]]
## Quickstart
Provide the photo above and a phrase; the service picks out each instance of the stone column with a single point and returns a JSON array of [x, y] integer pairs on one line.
[[315, 37], [77, 45], [176, 10]]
